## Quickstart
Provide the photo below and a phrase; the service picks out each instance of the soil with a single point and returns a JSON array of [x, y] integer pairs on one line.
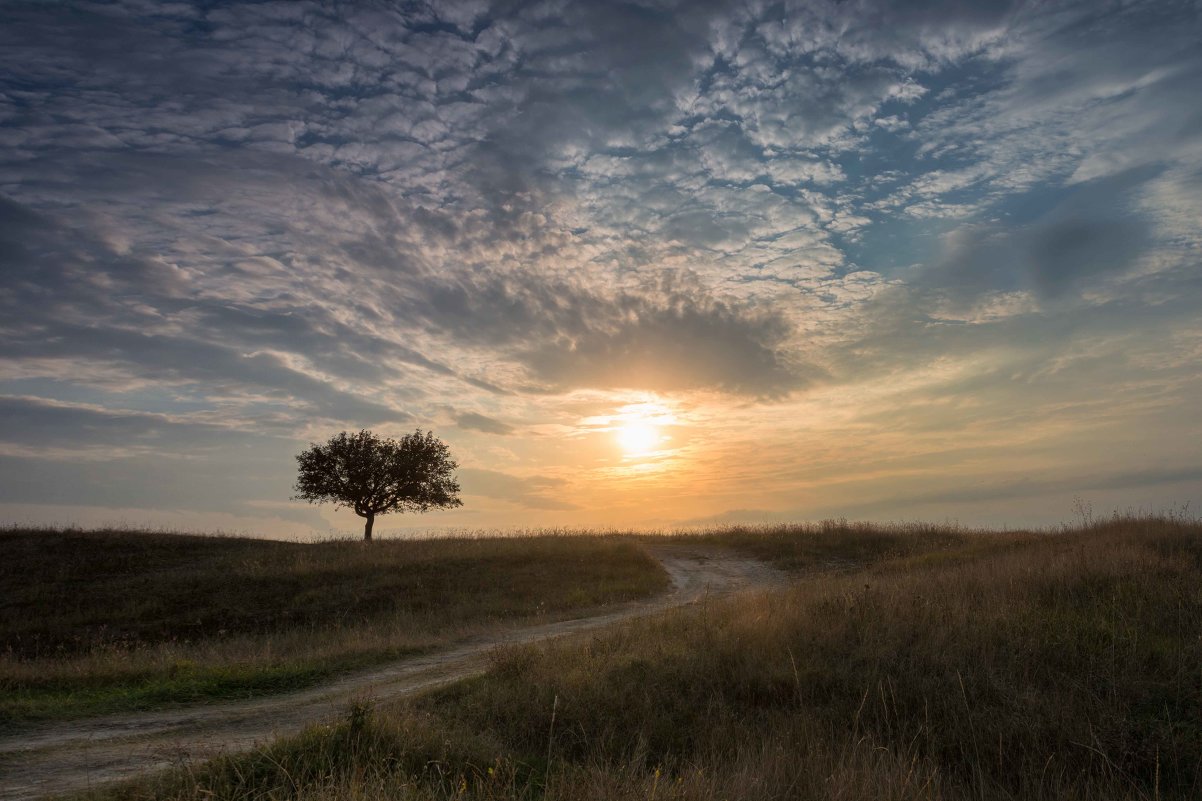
[[74, 756]]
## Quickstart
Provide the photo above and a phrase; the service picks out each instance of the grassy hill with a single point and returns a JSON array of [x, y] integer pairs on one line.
[[97, 621], [1008, 665]]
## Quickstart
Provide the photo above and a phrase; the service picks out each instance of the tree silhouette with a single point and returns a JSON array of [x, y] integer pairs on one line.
[[376, 475]]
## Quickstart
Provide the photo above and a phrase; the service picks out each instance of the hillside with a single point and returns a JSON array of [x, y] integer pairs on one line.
[[102, 621], [1016, 665]]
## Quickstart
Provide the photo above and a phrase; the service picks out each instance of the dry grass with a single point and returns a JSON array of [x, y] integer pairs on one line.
[[834, 544], [1014, 666], [112, 620]]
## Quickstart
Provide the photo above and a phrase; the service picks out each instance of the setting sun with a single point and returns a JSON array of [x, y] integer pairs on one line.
[[638, 438]]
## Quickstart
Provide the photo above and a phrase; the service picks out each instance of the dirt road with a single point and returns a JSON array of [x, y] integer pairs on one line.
[[69, 757]]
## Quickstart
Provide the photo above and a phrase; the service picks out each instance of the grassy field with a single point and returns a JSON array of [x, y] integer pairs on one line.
[[834, 544], [1018, 665], [111, 620]]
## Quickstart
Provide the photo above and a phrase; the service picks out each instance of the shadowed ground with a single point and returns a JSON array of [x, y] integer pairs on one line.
[[76, 756]]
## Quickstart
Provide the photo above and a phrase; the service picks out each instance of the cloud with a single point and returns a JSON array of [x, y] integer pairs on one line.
[[1015, 488], [1048, 259], [39, 425], [285, 218], [666, 335], [1094, 233], [1066, 252], [952, 500], [479, 422], [83, 455], [145, 482], [73, 297], [532, 492]]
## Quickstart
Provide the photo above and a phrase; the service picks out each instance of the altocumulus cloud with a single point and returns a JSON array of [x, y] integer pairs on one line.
[[267, 220]]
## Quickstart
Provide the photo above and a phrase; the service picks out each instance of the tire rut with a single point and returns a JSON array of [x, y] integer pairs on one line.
[[79, 755]]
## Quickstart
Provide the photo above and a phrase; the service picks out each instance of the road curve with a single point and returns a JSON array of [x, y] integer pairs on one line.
[[74, 756]]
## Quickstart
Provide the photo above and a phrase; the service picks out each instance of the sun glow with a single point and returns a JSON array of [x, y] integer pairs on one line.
[[639, 431], [638, 437]]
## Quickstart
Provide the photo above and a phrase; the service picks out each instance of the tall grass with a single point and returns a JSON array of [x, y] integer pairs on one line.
[[1012, 666], [831, 544], [112, 620]]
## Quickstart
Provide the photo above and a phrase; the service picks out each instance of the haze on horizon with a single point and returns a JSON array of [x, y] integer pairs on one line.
[[638, 263]]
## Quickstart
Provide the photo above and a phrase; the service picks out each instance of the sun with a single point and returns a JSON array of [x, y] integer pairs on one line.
[[640, 429], [638, 437]]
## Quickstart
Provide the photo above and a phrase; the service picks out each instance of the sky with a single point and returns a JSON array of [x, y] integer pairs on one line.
[[639, 264]]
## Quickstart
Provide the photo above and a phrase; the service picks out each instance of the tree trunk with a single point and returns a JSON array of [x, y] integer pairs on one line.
[[371, 519]]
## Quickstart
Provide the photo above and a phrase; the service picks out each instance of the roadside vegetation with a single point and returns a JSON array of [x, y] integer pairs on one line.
[[1006, 665], [105, 621]]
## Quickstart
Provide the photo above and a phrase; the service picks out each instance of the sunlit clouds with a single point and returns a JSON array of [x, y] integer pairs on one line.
[[637, 263]]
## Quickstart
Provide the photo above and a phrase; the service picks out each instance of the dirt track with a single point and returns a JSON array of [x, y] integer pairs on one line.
[[74, 756]]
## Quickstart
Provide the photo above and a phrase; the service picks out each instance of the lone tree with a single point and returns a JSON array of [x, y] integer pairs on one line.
[[376, 475]]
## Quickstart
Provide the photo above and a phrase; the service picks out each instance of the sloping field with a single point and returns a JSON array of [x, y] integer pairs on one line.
[[75, 755], [108, 621], [1015, 665]]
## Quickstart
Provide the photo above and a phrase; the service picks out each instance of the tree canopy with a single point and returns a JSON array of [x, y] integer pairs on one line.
[[376, 475]]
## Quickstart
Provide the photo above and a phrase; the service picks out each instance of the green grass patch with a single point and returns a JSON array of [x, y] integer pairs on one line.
[[111, 621], [189, 685]]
